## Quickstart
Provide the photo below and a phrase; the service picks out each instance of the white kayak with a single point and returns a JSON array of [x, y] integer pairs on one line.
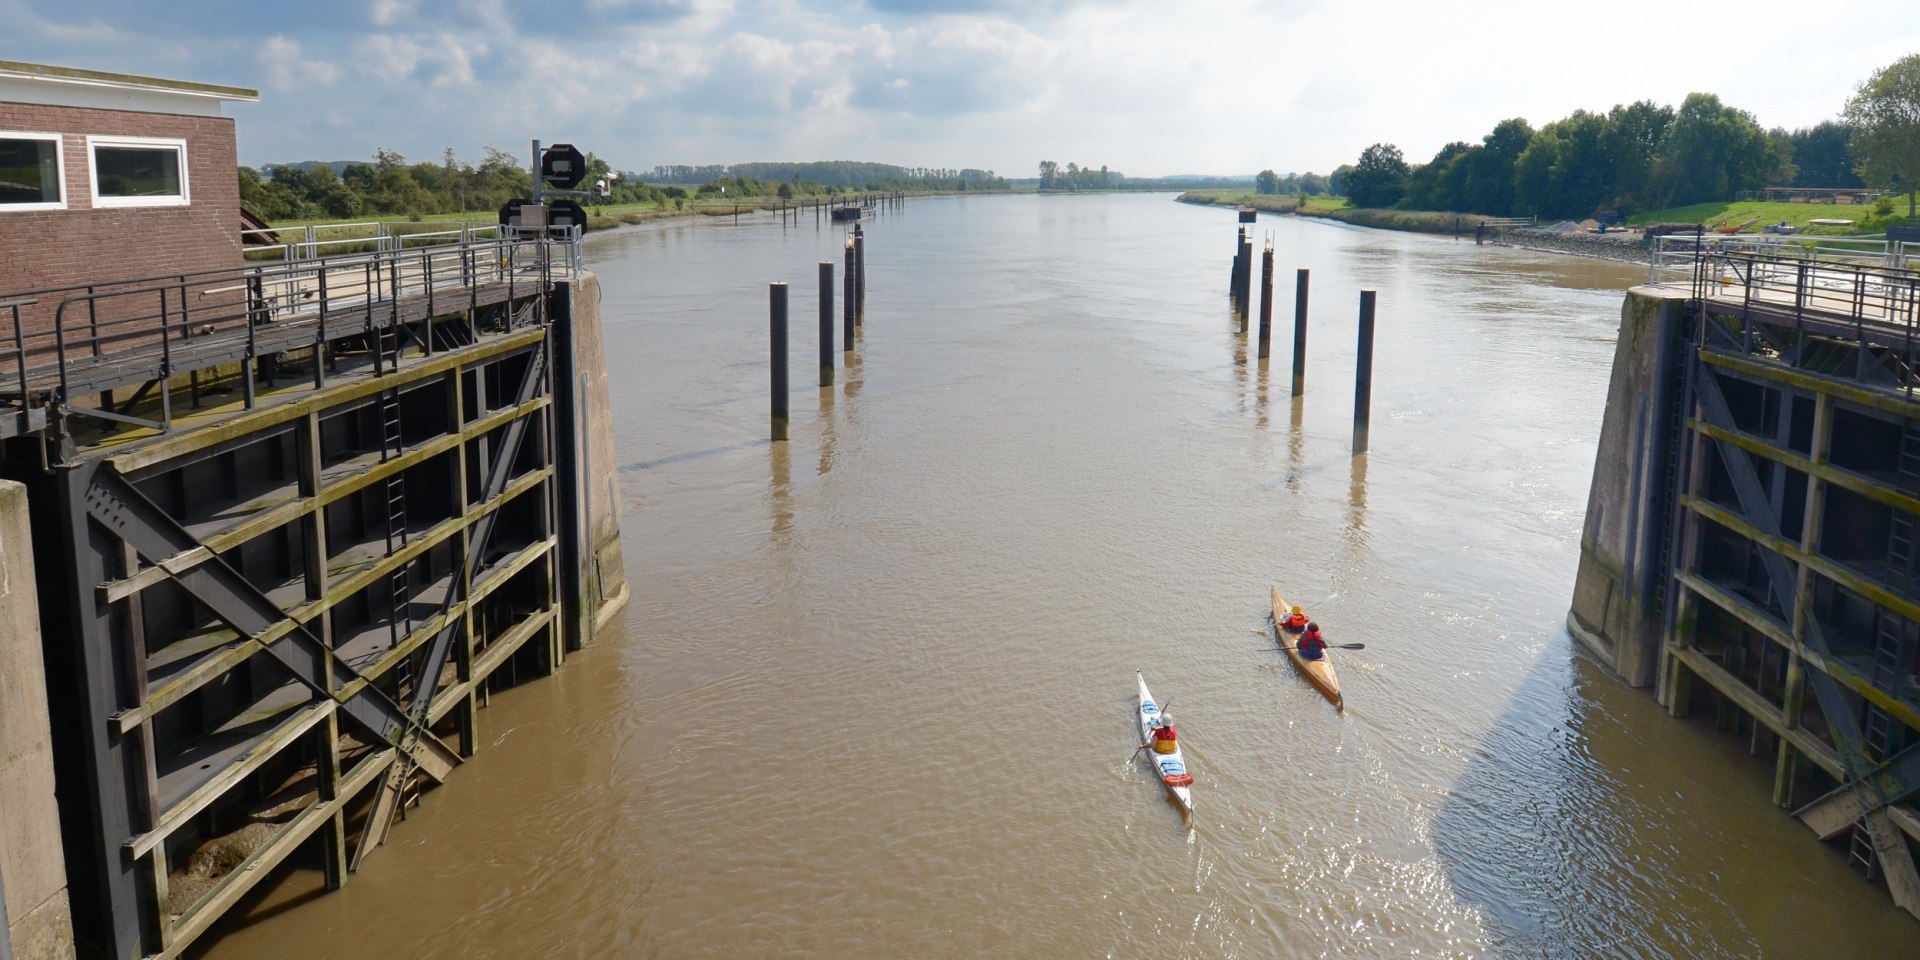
[[1169, 767]]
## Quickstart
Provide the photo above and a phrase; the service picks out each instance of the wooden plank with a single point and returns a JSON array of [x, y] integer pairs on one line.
[[1757, 707], [289, 731], [159, 449], [1886, 400], [489, 661], [257, 866]]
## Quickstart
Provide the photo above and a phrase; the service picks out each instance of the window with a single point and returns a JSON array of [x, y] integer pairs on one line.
[[138, 172], [32, 172]]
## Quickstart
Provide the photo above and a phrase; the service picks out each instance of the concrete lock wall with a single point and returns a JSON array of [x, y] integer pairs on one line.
[[33, 875], [1612, 611], [601, 572]]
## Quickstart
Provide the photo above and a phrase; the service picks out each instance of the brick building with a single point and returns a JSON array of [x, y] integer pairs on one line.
[[103, 174]]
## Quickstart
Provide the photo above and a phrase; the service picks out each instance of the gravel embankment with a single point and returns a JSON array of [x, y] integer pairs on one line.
[[1624, 247]]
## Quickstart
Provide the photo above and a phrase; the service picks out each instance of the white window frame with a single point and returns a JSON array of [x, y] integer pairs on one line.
[[93, 171], [60, 164]]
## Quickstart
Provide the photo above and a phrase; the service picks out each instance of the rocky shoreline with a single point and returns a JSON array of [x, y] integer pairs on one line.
[[1624, 247]]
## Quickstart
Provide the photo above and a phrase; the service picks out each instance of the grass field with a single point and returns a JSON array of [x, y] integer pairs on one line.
[[1733, 214]]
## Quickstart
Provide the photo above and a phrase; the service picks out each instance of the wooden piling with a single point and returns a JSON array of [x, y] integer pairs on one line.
[[859, 277], [777, 327], [1266, 303], [1246, 279], [846, 307], [826, 323], [1363, 374], [1300, 331]]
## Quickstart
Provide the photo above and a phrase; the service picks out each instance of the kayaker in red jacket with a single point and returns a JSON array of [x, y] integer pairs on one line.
[[1295, 621], [1312, 645]]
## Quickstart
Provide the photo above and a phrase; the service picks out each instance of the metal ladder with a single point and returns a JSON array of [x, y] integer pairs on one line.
[[392, 445], [1679, 403]]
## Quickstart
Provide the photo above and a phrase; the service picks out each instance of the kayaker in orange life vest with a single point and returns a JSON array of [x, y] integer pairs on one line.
[[1312, 645], [1164, 737], [1295, 621]]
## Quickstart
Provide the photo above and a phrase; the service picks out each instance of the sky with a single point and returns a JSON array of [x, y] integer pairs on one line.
[[1145, 87]]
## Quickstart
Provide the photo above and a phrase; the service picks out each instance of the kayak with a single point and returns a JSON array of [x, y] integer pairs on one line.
[[1318, 672], [1170, 767]]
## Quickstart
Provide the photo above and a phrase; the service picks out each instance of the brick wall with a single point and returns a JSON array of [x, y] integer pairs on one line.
[[81, 244]]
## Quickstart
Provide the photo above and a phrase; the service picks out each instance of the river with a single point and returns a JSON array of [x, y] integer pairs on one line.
[[874, 696]]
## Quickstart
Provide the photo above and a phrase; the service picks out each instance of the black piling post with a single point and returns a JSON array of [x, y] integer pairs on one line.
[[846, 294], [1300, 332], [1266, 302], [1363, 374], [859, 277], [826, 323], [777, 327], [1239, 263], [1246, 282]]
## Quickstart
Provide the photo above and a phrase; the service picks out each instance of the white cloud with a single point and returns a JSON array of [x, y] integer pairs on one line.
[[1204, 86], [287, 68]]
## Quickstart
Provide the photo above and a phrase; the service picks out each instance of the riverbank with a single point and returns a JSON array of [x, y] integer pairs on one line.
[[1620, 247], [1336, 208], [604, 217]]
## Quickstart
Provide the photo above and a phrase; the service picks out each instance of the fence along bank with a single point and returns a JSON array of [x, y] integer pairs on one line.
[[291, 521]]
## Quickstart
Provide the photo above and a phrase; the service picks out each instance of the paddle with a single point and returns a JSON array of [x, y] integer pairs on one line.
[[1341, 646], [1136, 750]]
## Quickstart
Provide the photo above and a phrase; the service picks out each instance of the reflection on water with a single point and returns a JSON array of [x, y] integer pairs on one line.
[[878, 710]]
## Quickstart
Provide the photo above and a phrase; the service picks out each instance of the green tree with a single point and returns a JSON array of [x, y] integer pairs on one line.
[[1711, 152], [1049, 171], [1632, 142], [1266, 181], [1489, 183], [1379, 178], [1427, 184], [1885, 115], [1823, 156]]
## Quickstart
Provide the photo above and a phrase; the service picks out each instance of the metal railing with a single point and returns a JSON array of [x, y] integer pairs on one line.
[[82, 339], [1834, 282], [333, 239], [1672, 257]]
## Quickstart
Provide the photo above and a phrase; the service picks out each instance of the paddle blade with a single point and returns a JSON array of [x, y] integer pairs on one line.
[[1349, 646]]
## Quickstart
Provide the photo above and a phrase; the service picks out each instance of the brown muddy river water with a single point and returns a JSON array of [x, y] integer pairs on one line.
[[874, 695]]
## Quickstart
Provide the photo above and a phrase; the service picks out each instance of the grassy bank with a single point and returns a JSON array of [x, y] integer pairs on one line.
[[1337, 208], [1753, 214], [1757, 214], [603, 217]]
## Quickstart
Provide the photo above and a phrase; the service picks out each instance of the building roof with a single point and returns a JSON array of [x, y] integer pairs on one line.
[[38, 72]]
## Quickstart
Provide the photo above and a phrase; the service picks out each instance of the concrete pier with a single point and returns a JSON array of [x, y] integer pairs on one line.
[[1612, 612], [33, 873], [1749, 549]]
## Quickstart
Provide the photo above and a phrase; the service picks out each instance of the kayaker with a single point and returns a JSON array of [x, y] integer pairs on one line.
[[1165, 738], [1295, 621], [1312, 645]]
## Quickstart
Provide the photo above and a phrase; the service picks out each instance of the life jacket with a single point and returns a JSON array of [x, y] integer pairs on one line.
[[1164, 739], [1312, 644], [1296, 622]]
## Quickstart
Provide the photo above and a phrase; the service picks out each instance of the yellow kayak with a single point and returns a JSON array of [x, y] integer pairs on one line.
[[1318, 672]]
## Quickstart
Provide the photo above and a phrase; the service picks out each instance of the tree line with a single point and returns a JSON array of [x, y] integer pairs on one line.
[[1075, 177], [1647, 156], [849, 174], [390, 186]]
